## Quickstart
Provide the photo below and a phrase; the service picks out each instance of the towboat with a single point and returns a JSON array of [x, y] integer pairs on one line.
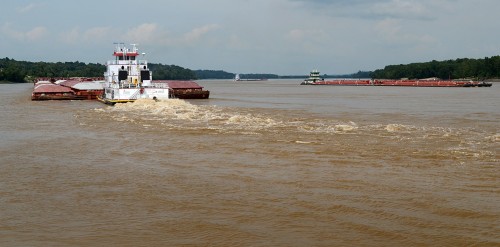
[[127, 78], [313, 79]]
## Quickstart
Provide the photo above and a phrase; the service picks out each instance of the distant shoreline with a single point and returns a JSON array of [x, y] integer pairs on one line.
[[495, 80]]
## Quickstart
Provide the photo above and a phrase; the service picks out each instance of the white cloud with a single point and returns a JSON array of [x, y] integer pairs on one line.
[[97, 33], [392, 31], [152, 33], [92, 35], [71, 37], [144, 33], [27, 8], [197, 33], [377, 9], [237, 43], [296, 34], [34, 34], [403, 9]]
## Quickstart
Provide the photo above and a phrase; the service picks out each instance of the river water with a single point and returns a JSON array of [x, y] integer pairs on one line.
[[268, 163]]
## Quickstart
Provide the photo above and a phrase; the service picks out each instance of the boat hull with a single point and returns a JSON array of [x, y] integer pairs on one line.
[[113, 101], [56, 97]]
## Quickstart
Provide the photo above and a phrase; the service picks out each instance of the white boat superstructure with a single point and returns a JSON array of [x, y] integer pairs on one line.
[[313, 78], [127, 78]]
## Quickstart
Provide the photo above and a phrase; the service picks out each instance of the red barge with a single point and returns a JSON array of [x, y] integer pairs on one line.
[[315, 79], [76, 88]]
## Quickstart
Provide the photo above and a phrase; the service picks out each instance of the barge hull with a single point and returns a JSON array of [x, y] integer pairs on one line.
[[402, 83]]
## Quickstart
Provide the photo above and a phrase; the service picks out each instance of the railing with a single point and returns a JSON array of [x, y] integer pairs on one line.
[[131, 62], [159, 85]]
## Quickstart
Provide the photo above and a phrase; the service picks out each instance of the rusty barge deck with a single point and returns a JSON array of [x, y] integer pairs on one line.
[[92, 88]]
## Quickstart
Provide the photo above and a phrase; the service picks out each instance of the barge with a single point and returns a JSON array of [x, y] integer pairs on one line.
[[315, 79], [75, 88], [185, 89]]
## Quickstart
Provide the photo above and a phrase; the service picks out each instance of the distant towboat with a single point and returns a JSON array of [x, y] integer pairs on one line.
[[237, 78], [313, 78]]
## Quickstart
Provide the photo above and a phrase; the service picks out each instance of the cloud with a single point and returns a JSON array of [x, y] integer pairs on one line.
[[391, 30], [146, 32], [34, 34], [92, 35], [402, 9], [377, 9], [197, 33], [237, 43], [339, 2], [27, 8], [296, 34], [307, 35], [97, 33], [70, 37]]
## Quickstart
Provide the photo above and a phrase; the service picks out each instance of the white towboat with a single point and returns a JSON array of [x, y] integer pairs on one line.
[[127, 79], [314, 77]]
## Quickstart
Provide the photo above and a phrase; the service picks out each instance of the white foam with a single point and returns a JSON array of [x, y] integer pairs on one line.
[[399, 128], [494, 138], [345, 127]]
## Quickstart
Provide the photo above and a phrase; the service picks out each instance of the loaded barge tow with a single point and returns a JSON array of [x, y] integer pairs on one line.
[[126, 79], [315, 79]]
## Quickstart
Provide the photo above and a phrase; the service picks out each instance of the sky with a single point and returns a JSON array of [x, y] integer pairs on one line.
[[284, 37]]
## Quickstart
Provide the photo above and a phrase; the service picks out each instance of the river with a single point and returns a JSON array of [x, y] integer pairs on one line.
[[266, 163]]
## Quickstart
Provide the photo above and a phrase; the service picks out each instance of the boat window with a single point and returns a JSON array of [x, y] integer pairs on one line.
[[122, 75], [144, 75]]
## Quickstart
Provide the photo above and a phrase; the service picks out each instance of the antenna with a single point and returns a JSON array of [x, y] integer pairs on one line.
[[134, 48]]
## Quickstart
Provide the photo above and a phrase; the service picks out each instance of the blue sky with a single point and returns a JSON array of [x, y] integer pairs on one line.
[[253, 36]]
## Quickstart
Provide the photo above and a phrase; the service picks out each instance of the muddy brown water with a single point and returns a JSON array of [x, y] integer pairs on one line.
[[267, 163]]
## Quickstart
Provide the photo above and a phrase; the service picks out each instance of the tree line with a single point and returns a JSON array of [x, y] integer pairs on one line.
[[220, 74], [23, 71], [486, 68], [171, 72]]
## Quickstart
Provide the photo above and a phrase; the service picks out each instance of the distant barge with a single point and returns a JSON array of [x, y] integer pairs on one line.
[[315, 79]]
